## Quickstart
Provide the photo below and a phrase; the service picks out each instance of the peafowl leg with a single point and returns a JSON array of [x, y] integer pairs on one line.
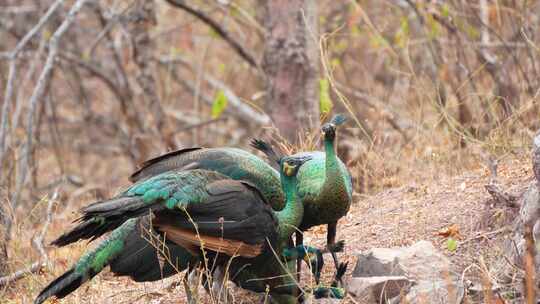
[[331, 240], [299, 241]]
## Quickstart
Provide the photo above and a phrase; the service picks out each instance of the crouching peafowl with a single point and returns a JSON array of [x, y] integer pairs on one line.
[[191, 210], [324, 184], [232, 162]]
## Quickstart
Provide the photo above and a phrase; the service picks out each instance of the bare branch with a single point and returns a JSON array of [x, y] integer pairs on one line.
[[12, 74], [19, 274], [218, 29], [6, 108], [44, 19], [243, 110], [38, 93]]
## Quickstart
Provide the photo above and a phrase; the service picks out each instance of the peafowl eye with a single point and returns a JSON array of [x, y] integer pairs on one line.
[[290, 165]]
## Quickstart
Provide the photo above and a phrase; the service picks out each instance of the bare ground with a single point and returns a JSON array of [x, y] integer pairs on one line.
[[393, 217]]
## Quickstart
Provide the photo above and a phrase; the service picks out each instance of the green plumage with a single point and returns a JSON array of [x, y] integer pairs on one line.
[[324, 184], [200, 201], [235, 163], [176, 188], [326, 195]]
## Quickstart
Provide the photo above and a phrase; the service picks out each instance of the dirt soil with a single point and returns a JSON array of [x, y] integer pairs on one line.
[[394, 217]]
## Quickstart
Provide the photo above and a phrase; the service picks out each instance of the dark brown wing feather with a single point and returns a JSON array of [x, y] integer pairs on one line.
[[159, 164], [234, 219]]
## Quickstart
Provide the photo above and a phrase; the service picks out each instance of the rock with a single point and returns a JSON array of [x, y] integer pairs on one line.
[[421, 267], [372, 289]]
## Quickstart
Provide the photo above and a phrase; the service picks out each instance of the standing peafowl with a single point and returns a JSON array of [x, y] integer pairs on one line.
[[193, 209], [324, 184]]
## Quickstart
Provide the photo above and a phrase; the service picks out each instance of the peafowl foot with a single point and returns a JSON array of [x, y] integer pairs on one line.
[[329, 292]]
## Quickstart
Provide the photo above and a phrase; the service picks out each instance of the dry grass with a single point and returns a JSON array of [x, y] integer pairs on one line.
[[423, 202]]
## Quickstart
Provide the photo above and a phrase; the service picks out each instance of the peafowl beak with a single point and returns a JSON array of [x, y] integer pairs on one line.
[[288, 169], [307, 258]]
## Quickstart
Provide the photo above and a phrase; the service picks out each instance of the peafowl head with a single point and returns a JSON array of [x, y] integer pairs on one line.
[[329, 128], [291, 164]]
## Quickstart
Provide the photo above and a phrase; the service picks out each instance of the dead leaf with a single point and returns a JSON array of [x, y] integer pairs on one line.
[[450, 231]]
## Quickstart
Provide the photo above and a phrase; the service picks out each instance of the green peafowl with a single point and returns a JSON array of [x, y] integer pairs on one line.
[[194, 209], [232, 162], [324, 184]]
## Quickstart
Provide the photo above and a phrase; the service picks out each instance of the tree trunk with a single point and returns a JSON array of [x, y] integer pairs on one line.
[[3, 247], [290, 63]]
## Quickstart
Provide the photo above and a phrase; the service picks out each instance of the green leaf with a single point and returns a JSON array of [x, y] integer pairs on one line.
[[451, 244], [219, 104], [325, 103], [335, 62], [445, 10], [402, 34], [377, 41], [355, 30], [434, 27], [47, 34], [221, 67]]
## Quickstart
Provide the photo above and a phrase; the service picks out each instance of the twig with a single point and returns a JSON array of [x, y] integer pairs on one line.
[[218, 29], [486, 234], [23, 9], [37, 243], [203, 123]]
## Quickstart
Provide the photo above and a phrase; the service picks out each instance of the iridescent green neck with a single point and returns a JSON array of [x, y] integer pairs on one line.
[[291, 216], [331, 161]]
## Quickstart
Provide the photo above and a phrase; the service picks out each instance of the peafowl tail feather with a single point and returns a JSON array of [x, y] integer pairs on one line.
[[90, 264]]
